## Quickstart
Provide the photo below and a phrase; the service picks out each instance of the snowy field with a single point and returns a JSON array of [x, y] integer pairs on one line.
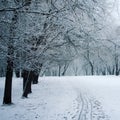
[[65, 98]]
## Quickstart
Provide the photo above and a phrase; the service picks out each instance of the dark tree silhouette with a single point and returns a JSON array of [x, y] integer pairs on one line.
[[27, 81], [9, 72]]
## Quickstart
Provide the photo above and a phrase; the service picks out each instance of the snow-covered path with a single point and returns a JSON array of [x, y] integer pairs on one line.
[[65, 98]]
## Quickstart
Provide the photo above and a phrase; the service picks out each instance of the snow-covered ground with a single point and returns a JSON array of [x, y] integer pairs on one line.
[[65, 98]]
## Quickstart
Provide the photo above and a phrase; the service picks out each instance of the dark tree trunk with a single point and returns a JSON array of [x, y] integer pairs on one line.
[[35, 78], [27, 80], [30, 79], [92, 67], [59, 70], [25, 77], [36, 74], [8, 83], [17, 63], [117, 69], [17, 73], [65, 69], [7, 99]]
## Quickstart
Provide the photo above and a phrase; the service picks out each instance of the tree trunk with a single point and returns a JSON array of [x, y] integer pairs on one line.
[[9, 72], [65, 69], [8, 83], [59, 70], [25, 77], [27, 80], [35, 78], [17, 73], [92, 67], [36, 74]]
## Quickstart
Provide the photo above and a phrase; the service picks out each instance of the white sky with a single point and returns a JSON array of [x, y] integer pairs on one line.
[[115, 11]]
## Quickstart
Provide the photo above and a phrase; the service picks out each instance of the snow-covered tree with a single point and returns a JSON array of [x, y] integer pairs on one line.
[[50, 33]]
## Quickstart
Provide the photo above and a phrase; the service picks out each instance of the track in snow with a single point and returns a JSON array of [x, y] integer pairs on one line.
[[90, 108]]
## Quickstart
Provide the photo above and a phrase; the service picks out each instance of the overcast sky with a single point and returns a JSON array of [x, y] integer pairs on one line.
[[115, 11]]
